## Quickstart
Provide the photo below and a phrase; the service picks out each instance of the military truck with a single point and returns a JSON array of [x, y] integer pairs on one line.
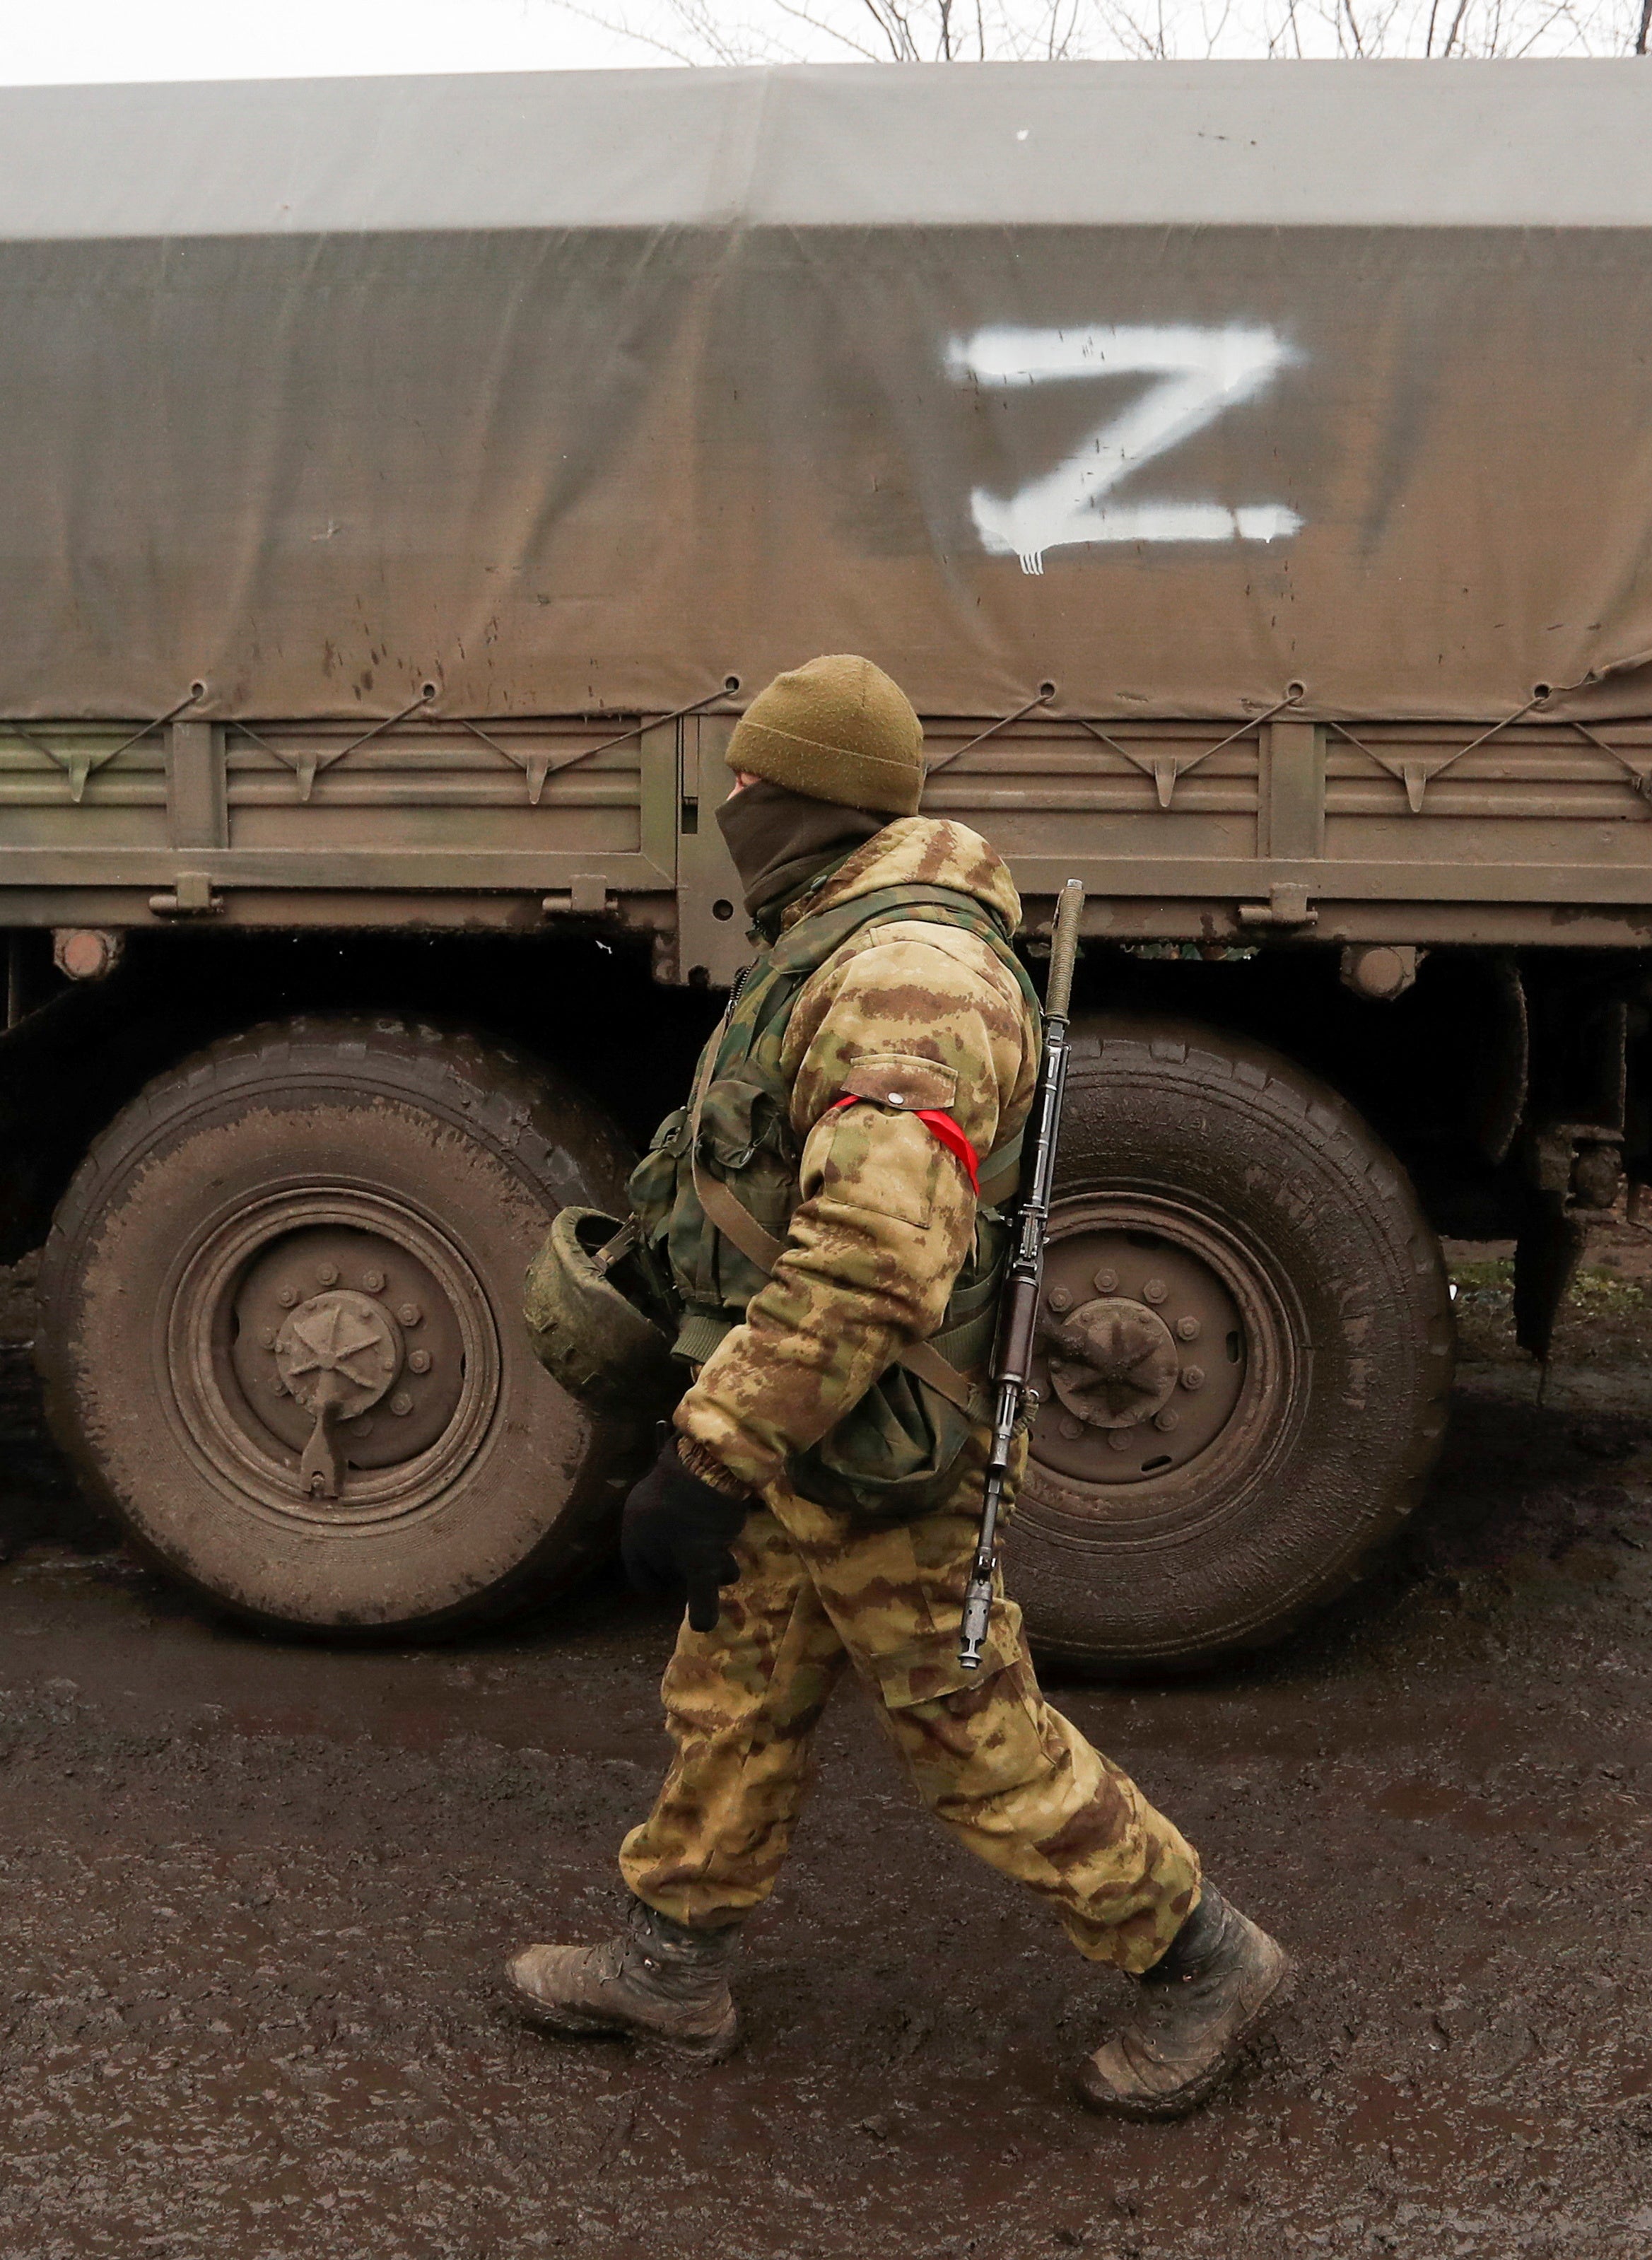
[[403, 485]]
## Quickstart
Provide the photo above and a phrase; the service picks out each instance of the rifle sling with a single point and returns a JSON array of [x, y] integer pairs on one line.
[[1005, 1178]]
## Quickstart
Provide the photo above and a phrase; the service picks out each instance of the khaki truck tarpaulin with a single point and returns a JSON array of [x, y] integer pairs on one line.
[[1168, 385]]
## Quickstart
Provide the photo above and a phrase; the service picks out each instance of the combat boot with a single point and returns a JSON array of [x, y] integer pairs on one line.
[[1195, 2008], [658, 1981]]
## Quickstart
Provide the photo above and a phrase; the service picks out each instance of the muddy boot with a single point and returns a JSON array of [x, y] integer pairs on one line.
[[1195, 2009], [659, 1981]]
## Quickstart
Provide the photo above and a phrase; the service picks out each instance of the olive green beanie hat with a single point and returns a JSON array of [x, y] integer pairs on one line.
[[838, 730]]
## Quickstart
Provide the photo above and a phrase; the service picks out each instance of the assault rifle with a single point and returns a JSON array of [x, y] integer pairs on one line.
[[1024, 1276]]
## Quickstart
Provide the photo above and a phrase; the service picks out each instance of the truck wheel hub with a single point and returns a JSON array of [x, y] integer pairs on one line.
[[1114, 1362], [335, 1356], [341, 1349], [1154, 1336]]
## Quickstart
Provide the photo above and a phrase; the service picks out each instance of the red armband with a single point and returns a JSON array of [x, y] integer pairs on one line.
[[941, 1127]]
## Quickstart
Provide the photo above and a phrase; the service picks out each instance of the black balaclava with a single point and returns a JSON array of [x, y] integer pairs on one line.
[[781, 841]]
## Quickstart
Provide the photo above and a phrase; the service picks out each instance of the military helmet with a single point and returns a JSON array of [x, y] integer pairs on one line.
[[587, 1332]]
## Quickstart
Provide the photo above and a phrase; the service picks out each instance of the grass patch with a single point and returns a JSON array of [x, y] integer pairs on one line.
[[1594, 1292], [1603, 1294], [1604, 1318]]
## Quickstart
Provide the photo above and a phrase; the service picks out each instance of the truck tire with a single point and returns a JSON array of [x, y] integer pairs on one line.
[[337, 1210], [1246, 1352]]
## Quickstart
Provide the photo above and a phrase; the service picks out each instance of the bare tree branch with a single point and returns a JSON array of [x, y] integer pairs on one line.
[[1055, 31], [693, 47]]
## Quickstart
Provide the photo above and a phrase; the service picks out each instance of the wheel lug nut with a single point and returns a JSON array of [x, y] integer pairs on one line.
[[266, 1335], [1071, 1429], [278, 1386], [1106, 1282], [410, 1315], [1167, 1420], [287, 1298], [1156, 1291], [373, 1282], [328, 1274], [401, 1403], [1188, 1328], [1193, 1377], [1060, 1299], [419, 1360], [1118, 1439]]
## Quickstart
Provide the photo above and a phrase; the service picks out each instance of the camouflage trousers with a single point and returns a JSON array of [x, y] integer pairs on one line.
[[1020, 1785]]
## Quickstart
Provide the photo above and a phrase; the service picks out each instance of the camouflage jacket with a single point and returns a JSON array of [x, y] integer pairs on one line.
[[887, 1214]]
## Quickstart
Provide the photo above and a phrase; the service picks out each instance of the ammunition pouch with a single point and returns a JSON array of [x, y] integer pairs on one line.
[[601, 1323]]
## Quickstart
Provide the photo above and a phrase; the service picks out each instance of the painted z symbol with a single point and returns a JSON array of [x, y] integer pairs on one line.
[[1201, 373]]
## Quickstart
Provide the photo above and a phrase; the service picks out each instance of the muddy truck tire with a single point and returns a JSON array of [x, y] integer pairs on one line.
[[282, 1333], [1245, 1355]]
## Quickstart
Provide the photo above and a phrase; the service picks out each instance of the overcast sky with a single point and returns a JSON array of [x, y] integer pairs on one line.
[[80, 41]]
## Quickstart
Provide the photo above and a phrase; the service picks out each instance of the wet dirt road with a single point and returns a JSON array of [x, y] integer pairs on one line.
[[255, 1896]]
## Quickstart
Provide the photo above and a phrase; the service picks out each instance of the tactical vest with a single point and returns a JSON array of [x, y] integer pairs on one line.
[[896, 1452]]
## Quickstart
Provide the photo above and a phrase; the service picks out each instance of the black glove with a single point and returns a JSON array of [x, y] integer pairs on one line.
[[677, 1531]]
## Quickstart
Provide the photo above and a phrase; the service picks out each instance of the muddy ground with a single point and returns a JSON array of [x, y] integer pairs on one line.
[[255, 1896]]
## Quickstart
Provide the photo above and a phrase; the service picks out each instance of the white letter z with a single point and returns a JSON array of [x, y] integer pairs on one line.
[[1201, 373]]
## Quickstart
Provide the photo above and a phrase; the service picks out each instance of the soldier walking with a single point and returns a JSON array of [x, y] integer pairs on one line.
[[827, 1205]]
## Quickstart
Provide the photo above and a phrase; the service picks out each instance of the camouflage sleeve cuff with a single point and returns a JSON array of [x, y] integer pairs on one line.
[[701, 1461]]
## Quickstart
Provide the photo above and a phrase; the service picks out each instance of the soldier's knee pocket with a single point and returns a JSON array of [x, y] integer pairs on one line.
[[978, 1748]]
